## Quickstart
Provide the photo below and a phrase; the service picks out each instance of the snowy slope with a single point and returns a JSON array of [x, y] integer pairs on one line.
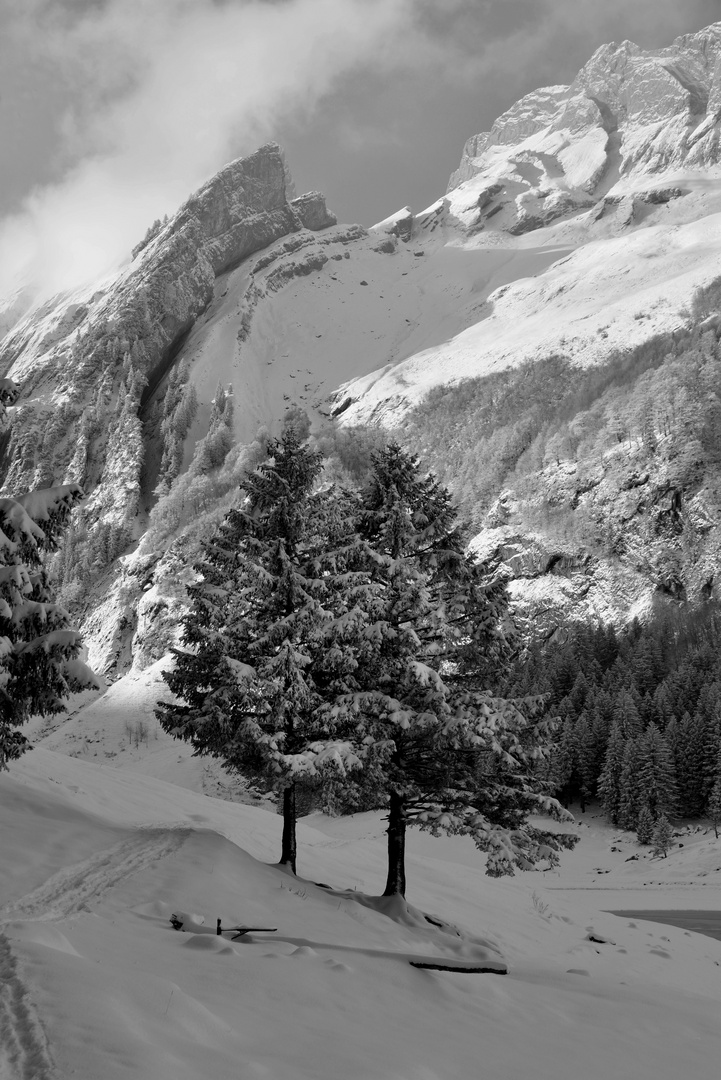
[[609, 294], [118, 728], [617, 274], [98, 984], [362, 307]]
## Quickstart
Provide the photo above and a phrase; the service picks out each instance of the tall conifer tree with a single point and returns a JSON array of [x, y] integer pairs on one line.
[[265, 647], [662, 836], [40, 661], [656, 778], [445, 753], [630, 802], [609, 784], [713, 808]]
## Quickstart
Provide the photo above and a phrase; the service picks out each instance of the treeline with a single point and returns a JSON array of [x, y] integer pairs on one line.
[[486, 434], [641, 715]]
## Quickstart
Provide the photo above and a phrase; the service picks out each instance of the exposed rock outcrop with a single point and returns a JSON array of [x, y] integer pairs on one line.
[[399, 224], [313, 212]]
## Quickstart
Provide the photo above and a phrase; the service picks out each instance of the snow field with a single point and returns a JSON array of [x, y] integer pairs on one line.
[[611, 293], [352, 317], [116, 992]]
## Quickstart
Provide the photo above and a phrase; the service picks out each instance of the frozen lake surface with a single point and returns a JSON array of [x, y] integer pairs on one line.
[[701, 922]]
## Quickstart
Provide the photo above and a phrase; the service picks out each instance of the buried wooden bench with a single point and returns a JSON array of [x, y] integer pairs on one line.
[[239, 931], [236, 931]]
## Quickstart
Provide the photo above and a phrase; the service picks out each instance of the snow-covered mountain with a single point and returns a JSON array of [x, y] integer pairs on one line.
[[615, 181], [583, 224], [548, 336]]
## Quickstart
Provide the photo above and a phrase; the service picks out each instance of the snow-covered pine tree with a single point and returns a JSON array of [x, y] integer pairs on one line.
[[266, 632], [630, 802], [662, 836], [585, 758], [625, 711], [690, 762], [39, 651], [562, 767], [656, 776], [609, 783], [713, 806], [645, 825], [442, 752]]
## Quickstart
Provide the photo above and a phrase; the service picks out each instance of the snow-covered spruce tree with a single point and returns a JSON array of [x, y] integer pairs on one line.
[[630, 802], [265, 647], [39, 651], [645, 825], [656, 778], [662, 837], [442, 752], [609, 784], [713, 806]]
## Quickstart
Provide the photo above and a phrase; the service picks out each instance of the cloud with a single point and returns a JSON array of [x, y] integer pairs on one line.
[[161, 94], [153, 96]]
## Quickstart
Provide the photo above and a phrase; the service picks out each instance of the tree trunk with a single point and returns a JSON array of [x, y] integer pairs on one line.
[[396, 882], [288, 852]]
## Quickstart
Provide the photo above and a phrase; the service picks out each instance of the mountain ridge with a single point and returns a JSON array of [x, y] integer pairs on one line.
[[571, 231]]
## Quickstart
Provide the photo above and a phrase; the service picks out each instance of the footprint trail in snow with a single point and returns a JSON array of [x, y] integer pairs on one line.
[[24, 1050], [70, 890]]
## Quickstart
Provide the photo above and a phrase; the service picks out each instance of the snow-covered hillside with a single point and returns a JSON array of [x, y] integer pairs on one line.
[[97, 983], [600, 294]]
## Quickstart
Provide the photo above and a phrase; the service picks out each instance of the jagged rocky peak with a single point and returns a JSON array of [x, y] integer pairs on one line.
[[155, 300], [628, 116], [533, 113], [88, 364], [245, 206]]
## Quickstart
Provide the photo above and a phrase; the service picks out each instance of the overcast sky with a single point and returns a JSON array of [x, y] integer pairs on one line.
[[112, 111]]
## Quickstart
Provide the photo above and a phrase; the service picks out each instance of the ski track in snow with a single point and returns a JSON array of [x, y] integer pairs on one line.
[[70, 890], [24, 1051]]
